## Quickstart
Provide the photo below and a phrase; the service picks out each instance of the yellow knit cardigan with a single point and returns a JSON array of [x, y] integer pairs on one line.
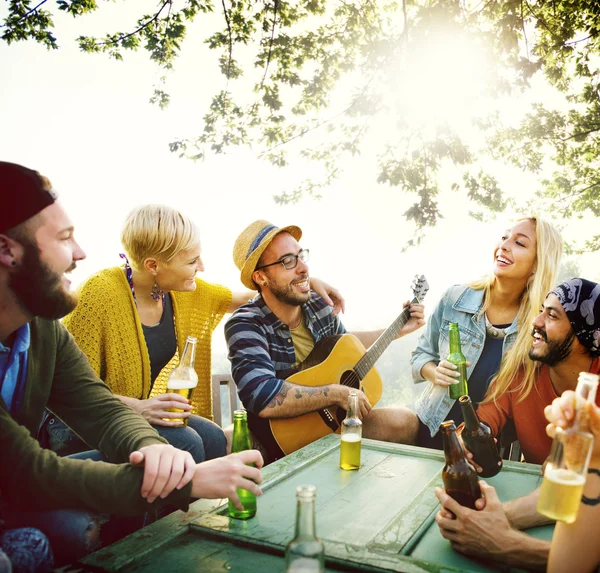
[[107, 327]]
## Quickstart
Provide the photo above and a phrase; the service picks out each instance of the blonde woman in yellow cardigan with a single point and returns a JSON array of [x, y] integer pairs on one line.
[[132, 323]]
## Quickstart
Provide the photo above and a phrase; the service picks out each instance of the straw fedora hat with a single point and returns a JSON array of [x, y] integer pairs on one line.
[[252, 242]]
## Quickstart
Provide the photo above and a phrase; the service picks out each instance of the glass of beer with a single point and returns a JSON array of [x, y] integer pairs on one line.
[[183, 379], [564, 476], [351, 440]]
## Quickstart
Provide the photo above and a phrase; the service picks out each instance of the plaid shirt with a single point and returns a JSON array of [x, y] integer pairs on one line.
[[260, 345]]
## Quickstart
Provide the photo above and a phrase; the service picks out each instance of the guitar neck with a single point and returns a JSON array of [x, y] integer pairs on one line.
[[367, 362]]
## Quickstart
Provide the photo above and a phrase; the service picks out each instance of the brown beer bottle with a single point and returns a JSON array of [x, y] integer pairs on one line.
[[478, 439], [458, 475]]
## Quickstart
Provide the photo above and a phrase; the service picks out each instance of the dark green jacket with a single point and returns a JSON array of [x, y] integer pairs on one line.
[[32, 478]]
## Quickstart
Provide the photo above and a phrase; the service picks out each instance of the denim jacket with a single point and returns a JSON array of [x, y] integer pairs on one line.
[[461, 304]]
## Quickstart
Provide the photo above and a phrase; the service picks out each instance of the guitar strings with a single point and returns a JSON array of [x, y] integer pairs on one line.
[[356, 375], [400, 321]]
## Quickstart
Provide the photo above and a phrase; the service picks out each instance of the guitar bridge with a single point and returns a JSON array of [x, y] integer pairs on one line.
[[329, 419]]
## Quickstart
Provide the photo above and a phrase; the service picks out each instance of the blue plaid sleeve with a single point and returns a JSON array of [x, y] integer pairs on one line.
[[251, 364]]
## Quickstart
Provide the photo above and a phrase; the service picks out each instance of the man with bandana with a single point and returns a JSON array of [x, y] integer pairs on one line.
[[41, 366], [565, 342]]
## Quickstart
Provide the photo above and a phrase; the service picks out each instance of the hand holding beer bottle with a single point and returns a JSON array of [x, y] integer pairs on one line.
[[479, 441], [183, 379], [459, 476], [565, 472], [456, 357], [240, 443]]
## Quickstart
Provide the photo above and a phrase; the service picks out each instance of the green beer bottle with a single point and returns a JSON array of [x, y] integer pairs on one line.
[[240, 443], [455, 391]]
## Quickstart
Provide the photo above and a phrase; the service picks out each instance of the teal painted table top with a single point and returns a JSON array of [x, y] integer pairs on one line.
[[378, 518]]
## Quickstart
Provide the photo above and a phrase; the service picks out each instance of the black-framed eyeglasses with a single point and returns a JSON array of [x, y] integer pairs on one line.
[[289, 262]]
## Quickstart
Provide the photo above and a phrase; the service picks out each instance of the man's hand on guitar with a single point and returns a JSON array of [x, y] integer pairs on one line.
[[416, 320], [364, 406]]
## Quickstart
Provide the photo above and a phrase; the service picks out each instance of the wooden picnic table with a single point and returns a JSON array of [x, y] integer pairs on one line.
[[378, 518]]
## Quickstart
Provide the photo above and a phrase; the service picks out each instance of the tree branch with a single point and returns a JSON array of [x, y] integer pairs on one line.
[[580, 192], [230, 38], [164, 36], [524, 32], [275, 6], [262, 83], [341, 113], [541, 21], [142, 27], [594, 130], [572, 42], [25, 15]]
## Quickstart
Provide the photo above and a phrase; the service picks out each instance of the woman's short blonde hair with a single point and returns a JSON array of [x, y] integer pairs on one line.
[[157, 231]]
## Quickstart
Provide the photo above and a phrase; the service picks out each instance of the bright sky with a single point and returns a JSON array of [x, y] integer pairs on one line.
[[85, 122]]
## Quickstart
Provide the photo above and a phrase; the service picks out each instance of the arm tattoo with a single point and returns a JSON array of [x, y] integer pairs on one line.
[[592, 501], [300, 392], [280, 396]]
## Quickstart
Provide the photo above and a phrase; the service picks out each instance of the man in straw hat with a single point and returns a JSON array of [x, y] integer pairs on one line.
[[278, 329], [40, 365], [565, 342]]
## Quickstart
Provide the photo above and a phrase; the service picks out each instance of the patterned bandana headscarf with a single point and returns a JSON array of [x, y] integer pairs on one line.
[[580, 299]]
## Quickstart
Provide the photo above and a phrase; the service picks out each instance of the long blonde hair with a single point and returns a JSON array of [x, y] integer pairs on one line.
[[547, 260]]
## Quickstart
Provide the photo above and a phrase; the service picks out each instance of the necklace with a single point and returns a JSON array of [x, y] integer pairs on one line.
[[129, 275], [493, 331], [297, 323]]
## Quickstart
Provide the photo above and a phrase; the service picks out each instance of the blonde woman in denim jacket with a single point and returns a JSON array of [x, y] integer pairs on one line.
[[493, 315]]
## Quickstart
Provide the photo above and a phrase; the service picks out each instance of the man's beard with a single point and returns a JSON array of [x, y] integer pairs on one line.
[[557, 352], [38, 289], [287, 295]]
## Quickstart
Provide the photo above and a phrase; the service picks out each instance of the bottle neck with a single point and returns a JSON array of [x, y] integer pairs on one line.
[[454, 341], [352, 406], [305, 518], [469, 414], [241, 438], [587, 386], [189, 355], [453, 451]]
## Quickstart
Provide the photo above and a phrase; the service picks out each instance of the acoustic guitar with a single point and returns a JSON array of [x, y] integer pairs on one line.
[[340, 359]]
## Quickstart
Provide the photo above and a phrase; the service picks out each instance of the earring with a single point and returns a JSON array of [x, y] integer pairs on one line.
[[13, 263], [156, 293], [264, 284]]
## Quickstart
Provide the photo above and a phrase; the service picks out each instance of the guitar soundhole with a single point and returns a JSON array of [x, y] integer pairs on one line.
[[350, 379]]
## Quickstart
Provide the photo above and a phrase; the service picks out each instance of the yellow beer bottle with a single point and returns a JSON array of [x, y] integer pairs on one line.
[[183, 379], [351, 431]]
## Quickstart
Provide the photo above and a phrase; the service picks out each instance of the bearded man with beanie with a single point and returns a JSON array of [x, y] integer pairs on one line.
[[41, 366]]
